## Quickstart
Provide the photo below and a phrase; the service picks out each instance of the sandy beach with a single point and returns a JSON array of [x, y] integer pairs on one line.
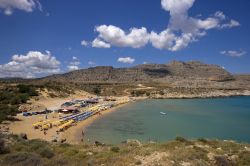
[[72, 135]]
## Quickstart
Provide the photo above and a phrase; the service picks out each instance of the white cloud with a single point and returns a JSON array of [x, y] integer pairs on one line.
[[135, 38], [84, 43], [126, 60], [220, 15], [74, 64], [234, 53], [231, 24], [176, 7], [100, 44], [8, 6], [91, 63], [72, 68], [30, 65], [182, 29]]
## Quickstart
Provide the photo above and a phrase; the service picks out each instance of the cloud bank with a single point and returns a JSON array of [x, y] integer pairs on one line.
[[8, 6], [30, 65], [182, 29]]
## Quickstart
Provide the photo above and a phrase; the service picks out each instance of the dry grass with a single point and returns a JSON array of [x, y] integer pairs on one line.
[[177, 152]]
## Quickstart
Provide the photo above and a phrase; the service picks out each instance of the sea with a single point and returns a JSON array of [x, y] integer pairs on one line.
[[162, 120]]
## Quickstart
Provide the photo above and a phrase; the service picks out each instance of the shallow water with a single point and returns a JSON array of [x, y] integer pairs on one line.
[[220, 118]]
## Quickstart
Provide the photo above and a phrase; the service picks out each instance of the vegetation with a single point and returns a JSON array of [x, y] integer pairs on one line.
[[18, 151], [137, 93], [11, 97]]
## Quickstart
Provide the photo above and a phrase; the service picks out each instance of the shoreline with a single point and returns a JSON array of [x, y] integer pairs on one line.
[[213, 94], [73, 135]]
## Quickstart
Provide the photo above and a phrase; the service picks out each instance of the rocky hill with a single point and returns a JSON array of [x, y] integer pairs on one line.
[[146, 73], [175, 79]]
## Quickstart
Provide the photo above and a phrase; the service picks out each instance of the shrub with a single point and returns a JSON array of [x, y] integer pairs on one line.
[[46, 152], [244, 158], [24, 98], [115, 149], [23, 88], [3, 147], [203, 140], [22, 159], [180, 139], [71, 152], [27, 89], [97, 90], [15, 100]]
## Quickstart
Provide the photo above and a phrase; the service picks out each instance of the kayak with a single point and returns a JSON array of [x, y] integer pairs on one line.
[[163, 113]]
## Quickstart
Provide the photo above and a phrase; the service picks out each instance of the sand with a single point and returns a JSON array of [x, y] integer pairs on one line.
[[25, 126], [72, 135], [25, 123]]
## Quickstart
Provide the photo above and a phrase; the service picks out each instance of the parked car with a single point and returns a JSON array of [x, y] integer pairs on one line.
[[27, 114]]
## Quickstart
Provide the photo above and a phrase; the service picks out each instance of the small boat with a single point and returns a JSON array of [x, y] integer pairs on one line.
[[163, 113]]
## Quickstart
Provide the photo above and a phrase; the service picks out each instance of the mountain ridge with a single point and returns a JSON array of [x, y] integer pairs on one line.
[[145, 72]]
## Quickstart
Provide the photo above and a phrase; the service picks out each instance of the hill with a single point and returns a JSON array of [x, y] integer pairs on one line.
[[145, 73], [173, 80]]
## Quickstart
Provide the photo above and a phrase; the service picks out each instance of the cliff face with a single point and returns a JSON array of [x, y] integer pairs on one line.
[[146, 73]]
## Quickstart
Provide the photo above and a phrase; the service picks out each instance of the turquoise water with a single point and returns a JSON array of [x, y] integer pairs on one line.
[[220, 118]]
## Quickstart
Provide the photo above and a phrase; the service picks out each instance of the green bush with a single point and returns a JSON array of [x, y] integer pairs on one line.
[[97, 90], [27, 89], [46, 152], [203, 140], [115, 149], [180, 139], [11, 97], [244, 158], [3, 147], [15, 100], [71, 152], [22, 159]]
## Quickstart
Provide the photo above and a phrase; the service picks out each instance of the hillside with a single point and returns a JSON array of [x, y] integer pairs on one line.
[[173, 75], [15, 151], [177, 79], [145, 73]]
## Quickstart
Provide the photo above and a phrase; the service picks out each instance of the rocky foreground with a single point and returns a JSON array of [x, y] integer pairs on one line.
[[18, 151]]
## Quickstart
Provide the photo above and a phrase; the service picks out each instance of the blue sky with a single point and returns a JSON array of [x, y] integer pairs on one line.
[[45, 37]]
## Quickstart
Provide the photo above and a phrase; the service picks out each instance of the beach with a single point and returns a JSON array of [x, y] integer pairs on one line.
[[72, 135]]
